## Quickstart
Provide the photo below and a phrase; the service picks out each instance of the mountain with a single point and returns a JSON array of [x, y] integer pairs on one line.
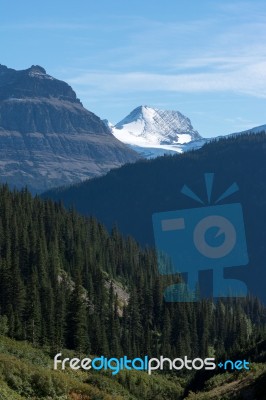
[[153, 132], [130, 195], [47, 137], [134, 192], [257, 129]]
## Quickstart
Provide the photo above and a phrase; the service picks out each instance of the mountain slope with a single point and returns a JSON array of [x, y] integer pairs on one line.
[[130, 195], [27, 370], [27, 373], [134, 192], [153, 132], [235, 387], [47, 138], [256, 129]]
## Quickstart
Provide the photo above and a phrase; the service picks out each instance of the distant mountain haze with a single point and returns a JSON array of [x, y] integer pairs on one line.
[[47, 137]]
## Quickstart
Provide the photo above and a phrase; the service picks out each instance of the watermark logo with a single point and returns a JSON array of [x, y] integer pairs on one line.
[[237, 365], [210, 237], [145, 364]]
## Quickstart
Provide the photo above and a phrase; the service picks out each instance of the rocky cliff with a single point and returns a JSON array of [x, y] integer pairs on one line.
[[47, 137]]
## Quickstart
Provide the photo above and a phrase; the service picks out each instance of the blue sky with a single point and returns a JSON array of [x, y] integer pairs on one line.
[[206, 59]]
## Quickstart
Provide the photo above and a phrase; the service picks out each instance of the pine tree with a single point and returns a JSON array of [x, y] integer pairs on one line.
[[78, 338], [33, 310]]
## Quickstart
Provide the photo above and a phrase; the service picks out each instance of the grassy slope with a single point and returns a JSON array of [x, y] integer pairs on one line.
[[26, 373], [249, 385]]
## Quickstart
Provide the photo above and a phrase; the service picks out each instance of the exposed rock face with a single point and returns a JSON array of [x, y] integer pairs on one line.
[[159, 126], [47, 137], [153, 132]]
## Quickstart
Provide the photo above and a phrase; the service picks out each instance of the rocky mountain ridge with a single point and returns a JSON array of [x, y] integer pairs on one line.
[[153, 132], [47, 137]]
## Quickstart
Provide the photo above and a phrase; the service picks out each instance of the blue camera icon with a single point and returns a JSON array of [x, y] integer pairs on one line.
[[198, 239]]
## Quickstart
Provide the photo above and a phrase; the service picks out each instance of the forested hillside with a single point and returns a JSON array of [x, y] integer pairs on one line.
[[130, 195], [56, 274]]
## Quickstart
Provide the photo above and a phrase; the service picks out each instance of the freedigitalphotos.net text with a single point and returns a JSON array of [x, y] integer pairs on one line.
[[145, 364]]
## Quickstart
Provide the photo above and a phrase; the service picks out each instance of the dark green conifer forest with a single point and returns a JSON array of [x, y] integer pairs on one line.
[[65, 282]]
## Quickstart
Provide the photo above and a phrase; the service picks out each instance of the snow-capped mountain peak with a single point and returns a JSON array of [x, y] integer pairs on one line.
[[157, 126], [147, 128]]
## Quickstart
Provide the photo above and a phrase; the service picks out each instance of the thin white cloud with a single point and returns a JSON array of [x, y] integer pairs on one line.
[[240, 123], [241, 7], [249, 79], [152, 55], [154, 58]]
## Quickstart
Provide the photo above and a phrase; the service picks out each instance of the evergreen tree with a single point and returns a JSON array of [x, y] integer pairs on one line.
[[77, 319]]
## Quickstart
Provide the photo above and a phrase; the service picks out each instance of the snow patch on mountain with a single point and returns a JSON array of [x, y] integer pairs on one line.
[[153, 132]]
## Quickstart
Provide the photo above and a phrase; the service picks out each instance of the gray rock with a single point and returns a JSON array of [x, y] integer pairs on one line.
[[47, 137]]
